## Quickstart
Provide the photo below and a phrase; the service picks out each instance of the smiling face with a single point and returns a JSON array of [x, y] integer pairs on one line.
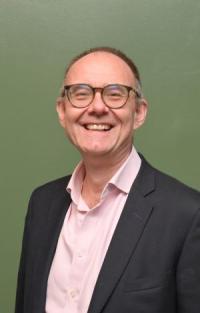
[[98, 130]]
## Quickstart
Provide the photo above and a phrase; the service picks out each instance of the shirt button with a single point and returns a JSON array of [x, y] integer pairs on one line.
[[81, 218], [80, 255], [73, 293]]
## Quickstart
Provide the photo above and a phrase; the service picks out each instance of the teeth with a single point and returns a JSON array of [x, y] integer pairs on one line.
[[98, 126]]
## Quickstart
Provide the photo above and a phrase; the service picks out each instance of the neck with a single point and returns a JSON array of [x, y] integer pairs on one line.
[[98, 171]]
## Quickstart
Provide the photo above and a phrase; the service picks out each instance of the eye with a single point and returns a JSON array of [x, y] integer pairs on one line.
[[80, 93], [114, 92]]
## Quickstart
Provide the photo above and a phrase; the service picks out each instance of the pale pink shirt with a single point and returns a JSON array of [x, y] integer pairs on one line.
[[84, 239]]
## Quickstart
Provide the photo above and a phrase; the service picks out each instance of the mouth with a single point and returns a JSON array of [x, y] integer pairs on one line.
[[98, 127]]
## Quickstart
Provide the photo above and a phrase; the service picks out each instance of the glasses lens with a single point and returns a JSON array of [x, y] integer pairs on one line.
[[80, 95], [115, 96]]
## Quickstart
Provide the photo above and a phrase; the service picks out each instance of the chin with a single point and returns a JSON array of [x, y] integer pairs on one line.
[[96, 151]]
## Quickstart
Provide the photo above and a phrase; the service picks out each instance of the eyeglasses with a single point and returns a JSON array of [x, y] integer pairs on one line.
[[114, 96]]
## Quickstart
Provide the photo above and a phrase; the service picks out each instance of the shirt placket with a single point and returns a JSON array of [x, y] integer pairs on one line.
[[79, 259]]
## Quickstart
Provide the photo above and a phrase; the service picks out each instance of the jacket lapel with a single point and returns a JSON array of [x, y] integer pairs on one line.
[[126, 236]]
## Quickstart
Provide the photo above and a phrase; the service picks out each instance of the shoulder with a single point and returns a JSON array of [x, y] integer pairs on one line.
[[169, 194], [165, 182], [52, 193], [50, 189], [171, 186]]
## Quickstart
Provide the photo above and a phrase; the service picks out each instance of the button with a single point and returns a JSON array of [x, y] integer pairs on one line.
[[81, 217], [80, 220], [80, 255], [73, 293]]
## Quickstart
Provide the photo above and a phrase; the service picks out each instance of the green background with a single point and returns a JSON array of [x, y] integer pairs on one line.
[[37, 39]]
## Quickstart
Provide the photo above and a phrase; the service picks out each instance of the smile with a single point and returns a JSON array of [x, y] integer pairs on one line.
[[98, 127]]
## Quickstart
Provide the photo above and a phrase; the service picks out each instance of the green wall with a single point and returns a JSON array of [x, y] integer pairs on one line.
[[37, 39]]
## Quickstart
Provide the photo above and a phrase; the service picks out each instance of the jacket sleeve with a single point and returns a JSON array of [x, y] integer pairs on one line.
[[20, 294], [188, 271]]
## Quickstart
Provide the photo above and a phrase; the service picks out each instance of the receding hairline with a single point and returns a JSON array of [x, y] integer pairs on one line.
[[112, 51]]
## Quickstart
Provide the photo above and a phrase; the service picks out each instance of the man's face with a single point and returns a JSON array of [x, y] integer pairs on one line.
[[98, 130]]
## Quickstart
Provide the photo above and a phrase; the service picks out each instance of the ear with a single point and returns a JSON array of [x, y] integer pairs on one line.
[[60, 108], [140, 113]]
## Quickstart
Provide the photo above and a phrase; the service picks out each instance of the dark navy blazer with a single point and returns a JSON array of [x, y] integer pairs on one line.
[[153, 261]]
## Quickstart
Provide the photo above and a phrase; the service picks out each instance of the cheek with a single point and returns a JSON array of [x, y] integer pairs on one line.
[[72, 127], [68, 126], [128, 121], [70, 118], [70, 132]]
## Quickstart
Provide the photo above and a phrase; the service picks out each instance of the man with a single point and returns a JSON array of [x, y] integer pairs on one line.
[[117, 236]]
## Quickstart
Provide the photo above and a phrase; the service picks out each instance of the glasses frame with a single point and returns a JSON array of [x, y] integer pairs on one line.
[[101, 90]]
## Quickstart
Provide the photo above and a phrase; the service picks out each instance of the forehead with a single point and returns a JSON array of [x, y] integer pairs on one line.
[[100, 68]]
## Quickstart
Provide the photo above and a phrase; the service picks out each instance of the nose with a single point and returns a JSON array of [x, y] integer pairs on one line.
[[97, 106]]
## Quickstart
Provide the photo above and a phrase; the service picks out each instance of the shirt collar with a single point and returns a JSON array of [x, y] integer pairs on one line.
[[126, 174], [75, 183], [122, 179]]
